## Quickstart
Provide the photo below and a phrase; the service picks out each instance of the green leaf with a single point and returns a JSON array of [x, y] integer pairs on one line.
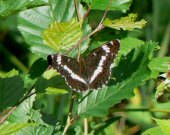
[[55, 85], [55, 88], [65, 12], [164, 125], [136, 73], [61, 36], [36, 130], [161, 129], [87, 1], [50, 73], [22, 112], [126, 23], [122, 5], [126, 45], [153, 131], [104, 124], [25, 112], [33, 22], [38, 68], [11, 128], [160, 64], [51, 90], [10, 86], [11, 73], [9, 7]]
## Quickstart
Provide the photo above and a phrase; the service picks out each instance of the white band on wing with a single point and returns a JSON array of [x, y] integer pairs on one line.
[[99, 69]]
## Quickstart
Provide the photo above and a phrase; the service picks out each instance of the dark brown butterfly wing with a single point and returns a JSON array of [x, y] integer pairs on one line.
[[69, 68], [99, 62]]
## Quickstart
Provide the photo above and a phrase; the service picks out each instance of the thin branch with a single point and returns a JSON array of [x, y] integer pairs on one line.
[[87, 13], [72, 103], [77, 10], [79, 19], [7, 115], [69, 118], [140, 110], [105, 13], [83, 39], [85, 126], [17, 104], [98, 28]]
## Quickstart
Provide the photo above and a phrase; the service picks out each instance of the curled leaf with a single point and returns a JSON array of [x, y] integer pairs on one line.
[[126, 23]]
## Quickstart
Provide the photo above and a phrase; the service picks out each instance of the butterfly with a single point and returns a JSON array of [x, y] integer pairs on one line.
[[91, 72]]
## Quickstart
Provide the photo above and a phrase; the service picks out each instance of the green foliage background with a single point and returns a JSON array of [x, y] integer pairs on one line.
[[24, 46]]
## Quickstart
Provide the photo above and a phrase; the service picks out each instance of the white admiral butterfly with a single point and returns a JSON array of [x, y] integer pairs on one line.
[[91, 72]]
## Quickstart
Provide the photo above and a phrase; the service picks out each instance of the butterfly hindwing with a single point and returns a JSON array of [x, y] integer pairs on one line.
[[99, 64]]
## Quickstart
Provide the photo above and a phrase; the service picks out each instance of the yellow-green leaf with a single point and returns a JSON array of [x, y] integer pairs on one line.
[[56, 91], [50, 73], [61, 36], [126, 23], [11, 128], [164, 125], [11, 73]]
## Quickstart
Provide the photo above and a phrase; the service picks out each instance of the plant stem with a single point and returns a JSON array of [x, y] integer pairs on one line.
[[140, 110], [87, 13], [7, 115], [17, 104], [85, 126], [98, 28], [79, 19], [77, 10], [69, 119], [105, 13]]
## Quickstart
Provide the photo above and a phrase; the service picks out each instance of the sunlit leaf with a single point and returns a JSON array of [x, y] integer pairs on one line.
[[55, 91], [8, 7], [53, 85], [160, 64], [23, 111], [61, 36], [36, 130], [126, 23], [11, 73], [161, 129], [122, 5], [153, 131], [50, 73], [164, 125], [33, 22], [11, 128]]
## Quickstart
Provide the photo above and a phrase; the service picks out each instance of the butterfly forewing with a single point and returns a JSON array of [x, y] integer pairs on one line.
[[69, 68]]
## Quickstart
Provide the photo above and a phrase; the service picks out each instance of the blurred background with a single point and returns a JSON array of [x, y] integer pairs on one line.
[[15, 53]]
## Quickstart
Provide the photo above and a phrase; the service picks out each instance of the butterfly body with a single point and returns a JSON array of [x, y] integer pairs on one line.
[[91, 72]]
